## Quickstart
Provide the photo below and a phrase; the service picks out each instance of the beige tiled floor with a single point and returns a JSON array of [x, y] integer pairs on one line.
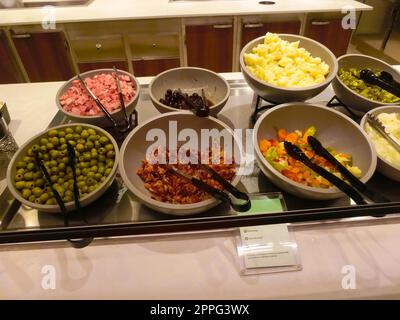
[[370, 44]]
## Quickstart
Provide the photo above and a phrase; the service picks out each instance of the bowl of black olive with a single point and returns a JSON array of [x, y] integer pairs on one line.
[[188, 88]]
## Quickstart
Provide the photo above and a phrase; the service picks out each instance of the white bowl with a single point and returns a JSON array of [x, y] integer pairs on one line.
[[190, 80], [99, 120], [277, 94], [384, 167], [351, 98], [84, 201], [133, 151], [334, 130]]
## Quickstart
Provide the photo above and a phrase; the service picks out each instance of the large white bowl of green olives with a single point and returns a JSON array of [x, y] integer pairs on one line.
[[96, 162]]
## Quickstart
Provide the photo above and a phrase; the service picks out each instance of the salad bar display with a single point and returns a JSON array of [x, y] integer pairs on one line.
[[190, 170]]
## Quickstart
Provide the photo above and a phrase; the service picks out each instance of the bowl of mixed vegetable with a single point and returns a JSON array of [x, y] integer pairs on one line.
[[294, 122], [355, 93], [95, 161]]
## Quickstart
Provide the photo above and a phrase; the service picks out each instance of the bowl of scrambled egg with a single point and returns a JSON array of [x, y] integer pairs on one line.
[[285, 67]]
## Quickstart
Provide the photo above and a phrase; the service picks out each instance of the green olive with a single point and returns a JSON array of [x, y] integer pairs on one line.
[[44, 197], [29, 185], [28, 176], [49, 146], [78, 129], [53, 133], [26, 193], [37, 191], [20, 185], [84, 134], [39, 182], [111, 154], [21, 164]]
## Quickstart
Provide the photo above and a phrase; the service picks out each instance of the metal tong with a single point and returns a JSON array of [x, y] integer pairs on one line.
[[128, 120], [242, 205], [378, 126], [102, 107], [384, 80]]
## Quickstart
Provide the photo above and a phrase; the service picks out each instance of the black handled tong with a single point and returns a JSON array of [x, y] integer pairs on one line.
[[240, 204], [356, 190], [354, 181], [71, 163], [57, 196], [200, 111], [384, 81]]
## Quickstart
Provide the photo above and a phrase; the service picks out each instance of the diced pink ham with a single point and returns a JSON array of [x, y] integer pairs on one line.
[[77, 101]]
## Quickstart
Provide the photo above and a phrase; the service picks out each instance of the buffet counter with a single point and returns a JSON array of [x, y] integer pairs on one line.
[[192, 265]]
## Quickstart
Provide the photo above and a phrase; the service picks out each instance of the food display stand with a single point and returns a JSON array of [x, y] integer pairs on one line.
[[139, 258], [119, 213]]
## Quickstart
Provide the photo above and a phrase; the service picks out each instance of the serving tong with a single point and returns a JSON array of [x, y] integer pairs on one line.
[[203, 111], [241, 201], [76, 243], [385, 81], [127, 120], [378, 126], [356, 190]]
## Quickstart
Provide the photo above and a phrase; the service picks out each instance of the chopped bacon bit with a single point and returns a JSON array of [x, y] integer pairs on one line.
[[169, 187]]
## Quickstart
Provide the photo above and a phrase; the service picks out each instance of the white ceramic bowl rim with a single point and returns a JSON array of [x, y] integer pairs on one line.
[[327, 80], [27, 143], [61, 91], [356, 93], [168, 205], [365, 177], [189, 68], [364, 122]]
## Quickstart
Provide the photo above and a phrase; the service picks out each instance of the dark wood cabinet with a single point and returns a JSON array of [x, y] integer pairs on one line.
[[251, 31], [87, 66], [146, 68], [210, 46], [331, 34], [45, 55], [9, 72]]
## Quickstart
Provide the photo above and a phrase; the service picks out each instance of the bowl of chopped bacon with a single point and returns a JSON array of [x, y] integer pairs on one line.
[[182, 140], [75, 102]]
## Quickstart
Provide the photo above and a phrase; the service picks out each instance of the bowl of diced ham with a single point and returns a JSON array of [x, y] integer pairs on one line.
[[75, 102]]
